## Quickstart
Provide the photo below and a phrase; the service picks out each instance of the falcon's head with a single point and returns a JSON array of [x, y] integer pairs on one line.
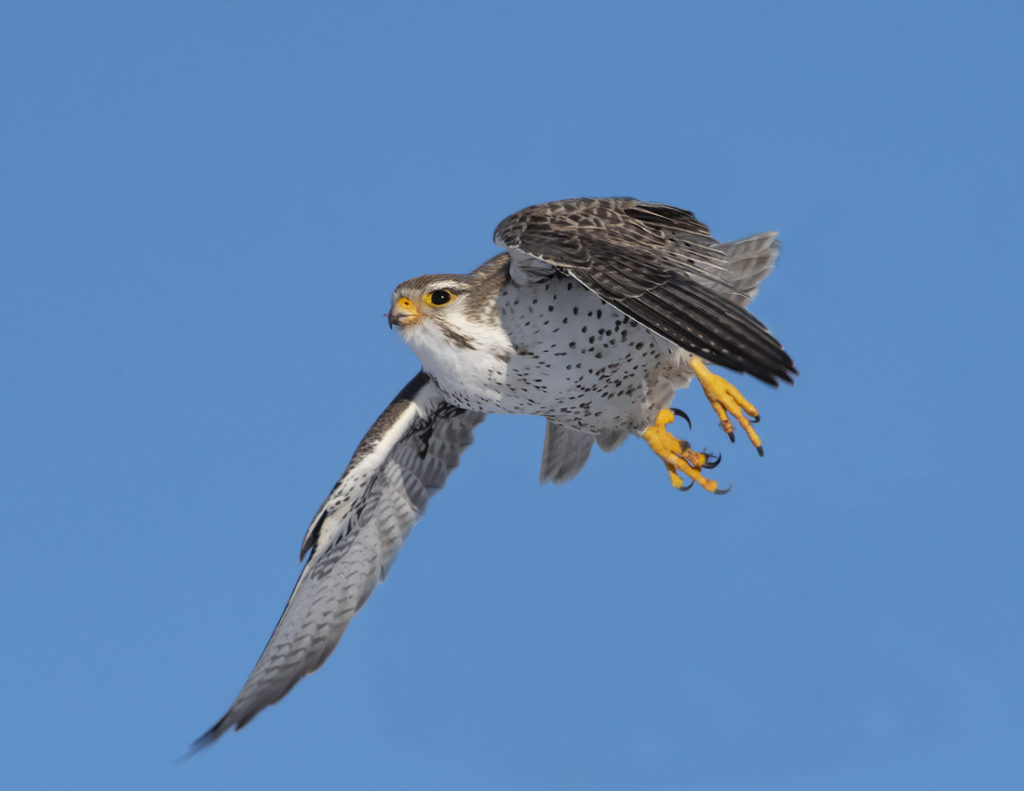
[[439, 311], [452, 322], [432, 298], [425, 299]]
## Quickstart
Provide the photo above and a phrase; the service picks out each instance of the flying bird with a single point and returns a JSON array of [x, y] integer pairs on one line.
[[596, 313]]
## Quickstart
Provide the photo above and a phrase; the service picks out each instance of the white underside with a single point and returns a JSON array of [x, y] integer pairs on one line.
[[532, 362]]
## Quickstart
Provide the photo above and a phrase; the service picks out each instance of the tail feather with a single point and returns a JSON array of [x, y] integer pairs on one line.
[[750, 261], [565, 453]]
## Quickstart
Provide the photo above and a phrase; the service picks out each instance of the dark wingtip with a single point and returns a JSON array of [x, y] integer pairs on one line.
[[205, 740], [789, 372], [772, 377]]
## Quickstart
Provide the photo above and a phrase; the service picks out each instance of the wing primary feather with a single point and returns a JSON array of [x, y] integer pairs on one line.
[[740, 329], [748, 350]]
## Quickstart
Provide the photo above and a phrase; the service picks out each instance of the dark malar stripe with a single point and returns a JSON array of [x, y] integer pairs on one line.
[[457, 339]]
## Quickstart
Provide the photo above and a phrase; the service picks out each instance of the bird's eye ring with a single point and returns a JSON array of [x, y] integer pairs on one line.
[[441, 296]]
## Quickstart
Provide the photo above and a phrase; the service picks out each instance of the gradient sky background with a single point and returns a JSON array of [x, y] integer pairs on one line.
[[207, 205]]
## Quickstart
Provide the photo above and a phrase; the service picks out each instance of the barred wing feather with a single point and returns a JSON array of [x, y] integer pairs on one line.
[[354, 538], [657, 264]]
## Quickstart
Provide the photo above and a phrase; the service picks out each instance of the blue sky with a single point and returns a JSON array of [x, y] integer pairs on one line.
[[207, 205]]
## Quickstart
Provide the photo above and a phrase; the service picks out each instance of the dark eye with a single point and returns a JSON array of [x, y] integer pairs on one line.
[[440, 297]]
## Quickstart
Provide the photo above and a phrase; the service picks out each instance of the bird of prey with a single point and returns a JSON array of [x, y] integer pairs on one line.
[[596, 313]]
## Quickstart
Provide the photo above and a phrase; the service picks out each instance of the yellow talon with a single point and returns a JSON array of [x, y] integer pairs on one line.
[[677, 454], [727, 400]]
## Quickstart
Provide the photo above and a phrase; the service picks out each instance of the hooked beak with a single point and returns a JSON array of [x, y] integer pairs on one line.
[[403, 312]]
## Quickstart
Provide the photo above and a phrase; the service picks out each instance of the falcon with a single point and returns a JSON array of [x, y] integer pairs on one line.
[[596, 313]]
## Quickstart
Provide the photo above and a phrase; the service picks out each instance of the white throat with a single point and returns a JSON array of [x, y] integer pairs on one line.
[[469, 377]]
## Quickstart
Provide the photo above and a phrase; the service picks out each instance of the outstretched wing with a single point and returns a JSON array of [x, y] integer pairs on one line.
[[657, 264], [354, 538]]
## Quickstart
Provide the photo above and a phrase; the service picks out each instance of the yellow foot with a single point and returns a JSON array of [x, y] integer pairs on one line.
[[727, 400], [678, 456]]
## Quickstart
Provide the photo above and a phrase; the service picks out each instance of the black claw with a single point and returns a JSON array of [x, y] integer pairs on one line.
[[683, 415], [760, 451], [713, 460], [755, 419], [732, 436], [685, 488], [726, 490]]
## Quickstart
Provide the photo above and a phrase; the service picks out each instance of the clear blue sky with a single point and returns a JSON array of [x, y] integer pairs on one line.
[[206, 207]]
